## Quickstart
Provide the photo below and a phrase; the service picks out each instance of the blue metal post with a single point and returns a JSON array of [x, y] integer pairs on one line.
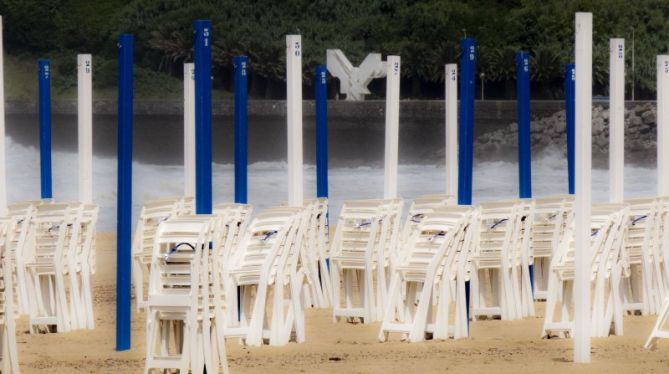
[[321, 94], [124, 194], [524, 134], [524, 138], [44, 80], [466, 136], [241, 128], [570, 109], [203, 178], [466, 133]]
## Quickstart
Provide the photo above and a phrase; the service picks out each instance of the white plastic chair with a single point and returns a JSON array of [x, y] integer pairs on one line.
[[427, 273], [551, 218], [366, 235], [179, 322], [153, 213], [496, 261], [606, 243], [55, 227], [8, 299], [263, 266]]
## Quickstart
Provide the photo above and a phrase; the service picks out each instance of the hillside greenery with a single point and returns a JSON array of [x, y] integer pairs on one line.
[[425, 33]]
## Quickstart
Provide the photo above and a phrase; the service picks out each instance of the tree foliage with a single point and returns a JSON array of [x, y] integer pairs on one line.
[[425, 33]]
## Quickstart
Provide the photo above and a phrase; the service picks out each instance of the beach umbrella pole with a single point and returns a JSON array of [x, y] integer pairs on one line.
[[85, 126], [570, 109], [616, 120], [583, 200], [524, 134], [392, 127], [451, 108], [203, 172], [124, 193], [189, 129], [240, 64], [294, 119], [662, 123], [524, 130], [44, 85], [466, 130], [321, 95], [3, 171]]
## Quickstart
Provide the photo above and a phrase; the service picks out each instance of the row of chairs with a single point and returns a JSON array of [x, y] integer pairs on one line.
[[48, 259], [513, 252], [412, 276], [257, 274]]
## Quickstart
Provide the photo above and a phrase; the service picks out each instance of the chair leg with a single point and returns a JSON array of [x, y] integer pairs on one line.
[[443, 301], [417, 333]]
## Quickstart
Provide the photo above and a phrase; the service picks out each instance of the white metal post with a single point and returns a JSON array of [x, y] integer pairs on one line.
[[85, 126], [392, 126], [3, 173], [616, 120], [451, 81], [294, 115], [662, 123], [582, 207], [189, 129]]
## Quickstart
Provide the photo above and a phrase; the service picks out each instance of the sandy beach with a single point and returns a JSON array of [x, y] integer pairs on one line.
[[494, 347]]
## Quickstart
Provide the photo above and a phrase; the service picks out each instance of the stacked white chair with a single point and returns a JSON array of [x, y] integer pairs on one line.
[[265, 267], [429, 277], [660, 330], [8, 299], [233, 220], [152, 214], [607, 264], [496, 283], [421, 206], [523, 255], [54, 228], [81, 251], [661, 248], [551, 218], [366, 235], [315, 255], [22, 213], [643, 289], [182, 331]]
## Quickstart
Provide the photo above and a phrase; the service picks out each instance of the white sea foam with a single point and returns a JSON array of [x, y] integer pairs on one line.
[[268, 181]]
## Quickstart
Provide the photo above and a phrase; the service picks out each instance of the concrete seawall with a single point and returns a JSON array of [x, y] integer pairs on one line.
[[356, 129]]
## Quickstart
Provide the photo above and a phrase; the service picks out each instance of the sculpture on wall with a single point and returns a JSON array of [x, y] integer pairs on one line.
[[354, 80]]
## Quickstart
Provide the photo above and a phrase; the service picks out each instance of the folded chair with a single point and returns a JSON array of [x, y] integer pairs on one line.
[[82, 249], [179, 323], [643, 289], [8, 299], [426, 270], [152, 214], [661, 248], [320, 239], [264, 267], [496, 285], [233, 220], [606, 242], [54, 227], [314, 257], [551, 218], [367, 231], [421, 206], [20, 242], [660, 328]]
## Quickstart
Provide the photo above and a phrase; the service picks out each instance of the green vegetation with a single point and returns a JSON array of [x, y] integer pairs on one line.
[[425, 33]]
